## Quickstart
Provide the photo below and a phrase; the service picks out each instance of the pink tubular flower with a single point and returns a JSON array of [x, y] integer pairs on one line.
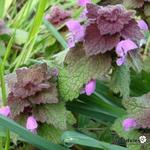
[[143, 25], [83, 2], [122, 48], [77, 32], [129, 123], [5, 111], [31, 124], [90, 87]]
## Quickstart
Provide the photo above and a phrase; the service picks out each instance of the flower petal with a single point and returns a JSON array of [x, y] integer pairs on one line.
[[5, 111], [143, 25], [83, 2], [90, 87], [31, 123], [120, 61], [124, 46], [76, 29], [129, 123]]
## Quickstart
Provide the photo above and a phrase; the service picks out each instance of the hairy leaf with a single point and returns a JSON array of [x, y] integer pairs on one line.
[[146, 10], [50, 133], [54, 114], [133, 3], [79, 70], [48, 96], [139, 108], [17, 105], [140, 83], [120, 82], [135, 61]]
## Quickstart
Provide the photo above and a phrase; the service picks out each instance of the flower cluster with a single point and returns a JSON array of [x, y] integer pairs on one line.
[[107, 26], [57, 15]]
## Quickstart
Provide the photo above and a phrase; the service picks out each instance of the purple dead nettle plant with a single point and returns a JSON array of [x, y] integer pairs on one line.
[[30, 88], [57, 15], [107, 29]]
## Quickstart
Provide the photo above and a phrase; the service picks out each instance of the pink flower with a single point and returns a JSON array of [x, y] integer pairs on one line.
[[90, 87], [5, 111], [77, 32], [143, 25], [31, 124], [83, 2], [122, 48], [129, 123]]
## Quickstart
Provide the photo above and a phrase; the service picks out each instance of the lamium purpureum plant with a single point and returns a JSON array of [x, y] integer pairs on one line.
[[106, 32], [33, 99], [103, 77]]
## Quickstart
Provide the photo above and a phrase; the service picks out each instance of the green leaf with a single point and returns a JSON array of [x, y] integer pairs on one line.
[[135, 61], [146, 64], [70, 138], [133, 3], [139, 108], [140, 83], [54, 114], [55, 33], [120, 82], [21, 37], [50, 133], [146, 10], [79, 70], [90, 111], [30, 138], [102, 106]]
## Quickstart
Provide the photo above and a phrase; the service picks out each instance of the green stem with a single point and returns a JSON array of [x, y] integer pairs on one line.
[[7, 143], [2, 80], [1, 143], [26, 52], [147, 46], [2, 68]]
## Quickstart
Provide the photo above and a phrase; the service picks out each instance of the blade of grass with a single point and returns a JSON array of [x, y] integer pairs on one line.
[[7, 143], [55, 33], [2, 67], [1, 143], [23, 14], [25, 54], [32, 139], [7, 5], [70, 138], [2, 8]]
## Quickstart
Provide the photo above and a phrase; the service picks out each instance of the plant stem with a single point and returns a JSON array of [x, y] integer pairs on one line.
[[7, 143], [147, 46]]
